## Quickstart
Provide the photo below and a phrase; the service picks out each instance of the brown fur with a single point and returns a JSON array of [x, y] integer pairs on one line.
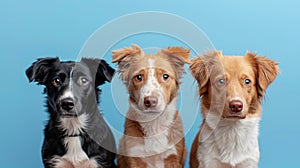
[[133, 62], [193, 155], [210, 67], [133, 129]]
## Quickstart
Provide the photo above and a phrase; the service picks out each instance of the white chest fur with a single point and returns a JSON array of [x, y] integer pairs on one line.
[[156, 146], [75, 153], [232, 141]]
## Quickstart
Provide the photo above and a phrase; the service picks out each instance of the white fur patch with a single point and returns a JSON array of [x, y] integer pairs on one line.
[[75, 153], [151, 63], [67, 94], [156, 138], [153, 146], [232, 141], [59, 162], [162, 122], [74, 125], [151, 88], [92, 163]]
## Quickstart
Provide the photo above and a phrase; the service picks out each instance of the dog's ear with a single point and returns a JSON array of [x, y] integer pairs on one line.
[[178, 55], [266, 71], [38, 71], [200, 73], [102, 71], [202, 68], [125, 54], [126, 57]]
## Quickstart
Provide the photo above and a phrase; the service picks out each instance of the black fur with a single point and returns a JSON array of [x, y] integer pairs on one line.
[[97, 140]]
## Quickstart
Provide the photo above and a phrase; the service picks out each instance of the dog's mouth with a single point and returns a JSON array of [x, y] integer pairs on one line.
[[68, 115], [233, 115], [151, 111]]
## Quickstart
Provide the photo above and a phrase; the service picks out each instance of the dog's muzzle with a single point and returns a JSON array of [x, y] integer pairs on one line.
[[150, 101], [67, 107]]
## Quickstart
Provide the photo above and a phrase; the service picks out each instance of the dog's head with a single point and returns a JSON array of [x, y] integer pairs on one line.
[[235, 83], [152, 80], [71, 87]]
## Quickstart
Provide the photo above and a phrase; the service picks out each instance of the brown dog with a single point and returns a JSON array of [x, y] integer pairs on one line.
[[153, 129], [231, 89]]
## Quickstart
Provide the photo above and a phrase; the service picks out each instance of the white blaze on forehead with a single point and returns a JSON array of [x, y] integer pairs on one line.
[[68, 93], [151, 84], [152, 88], [151, 63], [71, 79]]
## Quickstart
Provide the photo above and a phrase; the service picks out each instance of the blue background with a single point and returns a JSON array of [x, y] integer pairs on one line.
[[32, 29]]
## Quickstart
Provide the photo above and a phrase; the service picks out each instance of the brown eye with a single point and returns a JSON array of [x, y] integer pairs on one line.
[[83, 81], [139, 77], [56, 81], [165, 76], [247, 81]]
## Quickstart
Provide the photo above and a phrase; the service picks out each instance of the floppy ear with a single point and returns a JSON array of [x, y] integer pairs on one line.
[[200, 73], [126, 57], [179, 55], [202, 67], [38, 71], [102, 71], [266, 72], [124, 53]]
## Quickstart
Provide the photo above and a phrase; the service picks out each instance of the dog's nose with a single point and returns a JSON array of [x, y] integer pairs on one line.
[[236, 106], [150, 101], [67, 104]]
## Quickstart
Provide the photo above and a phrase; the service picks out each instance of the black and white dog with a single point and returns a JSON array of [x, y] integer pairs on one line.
[[76, 135]]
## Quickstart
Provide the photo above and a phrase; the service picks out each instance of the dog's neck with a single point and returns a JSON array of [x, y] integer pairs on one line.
[[158, 123], [234, 139], [74, 125]]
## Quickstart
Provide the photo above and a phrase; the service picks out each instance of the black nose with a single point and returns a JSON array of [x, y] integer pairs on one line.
[[67, 104], [150, 101], [236, 106]]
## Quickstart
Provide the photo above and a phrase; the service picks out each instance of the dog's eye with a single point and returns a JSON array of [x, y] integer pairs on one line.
[[222, 81], [83, 81], [139, 77], [247, 81], [56, 81], [165, 76]]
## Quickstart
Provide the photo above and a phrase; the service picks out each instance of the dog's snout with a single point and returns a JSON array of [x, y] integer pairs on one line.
[[67, 104], [236, 106], [150, 101]]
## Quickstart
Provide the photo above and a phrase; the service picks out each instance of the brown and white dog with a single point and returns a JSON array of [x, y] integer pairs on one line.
[[153, 133], [231, 89]]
